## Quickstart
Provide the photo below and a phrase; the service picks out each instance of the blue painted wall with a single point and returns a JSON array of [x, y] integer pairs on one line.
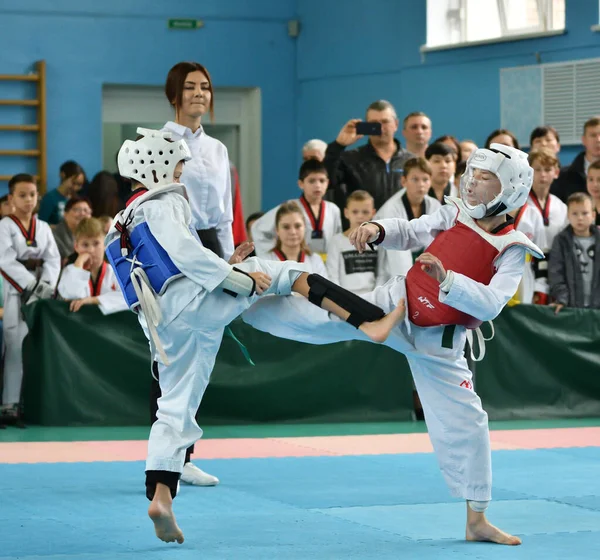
[[350, 57], [87, 43], [348, 54]]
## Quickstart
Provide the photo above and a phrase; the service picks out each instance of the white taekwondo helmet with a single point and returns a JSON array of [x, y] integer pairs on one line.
[[512, 169], [152, 159]]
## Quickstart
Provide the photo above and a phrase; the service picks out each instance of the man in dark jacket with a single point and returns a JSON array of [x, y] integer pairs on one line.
[[375, 167], [574, 263], [573, 178]]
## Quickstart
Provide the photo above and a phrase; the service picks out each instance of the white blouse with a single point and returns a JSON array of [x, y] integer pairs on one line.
[[208, 183]]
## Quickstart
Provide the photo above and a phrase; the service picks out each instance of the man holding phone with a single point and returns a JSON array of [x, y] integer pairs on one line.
[[375, 167]]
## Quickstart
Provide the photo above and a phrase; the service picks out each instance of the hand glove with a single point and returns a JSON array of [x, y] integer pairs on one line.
[[35, 291]]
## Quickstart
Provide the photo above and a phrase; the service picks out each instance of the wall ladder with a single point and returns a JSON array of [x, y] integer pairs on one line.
[[39, 76]]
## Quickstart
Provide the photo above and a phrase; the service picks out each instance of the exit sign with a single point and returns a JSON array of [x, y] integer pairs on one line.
[[185, 23]]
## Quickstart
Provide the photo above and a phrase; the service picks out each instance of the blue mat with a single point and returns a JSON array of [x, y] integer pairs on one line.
[[386, 506]]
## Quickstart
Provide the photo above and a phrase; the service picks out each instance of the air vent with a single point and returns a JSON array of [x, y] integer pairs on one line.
[[563, 95]]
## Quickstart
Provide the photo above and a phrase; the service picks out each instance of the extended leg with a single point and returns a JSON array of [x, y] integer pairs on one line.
[[295, 318], [349, 307]]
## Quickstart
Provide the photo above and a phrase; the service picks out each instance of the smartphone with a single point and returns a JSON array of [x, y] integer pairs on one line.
[[368, 128]]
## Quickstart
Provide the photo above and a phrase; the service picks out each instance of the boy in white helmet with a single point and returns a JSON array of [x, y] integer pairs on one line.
[[465, 276], [185, 296]]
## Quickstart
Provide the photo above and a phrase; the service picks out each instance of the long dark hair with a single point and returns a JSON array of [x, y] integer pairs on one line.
[[500, 131], [104, 195], [176, 79]]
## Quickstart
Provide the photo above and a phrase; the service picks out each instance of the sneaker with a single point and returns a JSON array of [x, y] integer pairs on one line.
[[193, 475], [10, 415]]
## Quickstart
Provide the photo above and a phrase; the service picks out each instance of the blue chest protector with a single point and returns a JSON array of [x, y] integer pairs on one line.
[[139, 250]]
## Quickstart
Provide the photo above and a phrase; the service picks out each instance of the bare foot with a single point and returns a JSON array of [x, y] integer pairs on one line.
[[378, 331], [161, 513], [482, 530]]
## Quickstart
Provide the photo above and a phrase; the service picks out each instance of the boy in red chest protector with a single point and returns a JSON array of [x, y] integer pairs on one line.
[[471, 268]]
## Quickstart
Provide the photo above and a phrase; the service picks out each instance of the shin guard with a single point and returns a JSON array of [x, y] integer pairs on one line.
[[361, 311]]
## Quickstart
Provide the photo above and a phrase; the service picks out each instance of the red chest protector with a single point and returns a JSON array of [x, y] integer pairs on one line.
[[466, 249]]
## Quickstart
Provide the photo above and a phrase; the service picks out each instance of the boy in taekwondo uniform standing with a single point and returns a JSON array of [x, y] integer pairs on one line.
[[185, 296], [466, 275], [30, 265], [323, 218]]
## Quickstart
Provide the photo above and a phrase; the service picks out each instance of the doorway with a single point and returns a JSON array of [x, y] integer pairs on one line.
[[237, 125]]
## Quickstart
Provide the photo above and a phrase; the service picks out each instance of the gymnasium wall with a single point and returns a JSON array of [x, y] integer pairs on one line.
[[347, 55], [87, 43], [370, 50]]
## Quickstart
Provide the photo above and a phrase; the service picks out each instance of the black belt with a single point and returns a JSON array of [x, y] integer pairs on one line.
[[32, 264], [210, 240]]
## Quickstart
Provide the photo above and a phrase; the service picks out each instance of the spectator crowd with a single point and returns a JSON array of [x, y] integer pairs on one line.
[[391, 175]]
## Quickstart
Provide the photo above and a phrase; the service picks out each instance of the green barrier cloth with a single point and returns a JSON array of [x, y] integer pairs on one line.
[[88, 369], [542, 365]]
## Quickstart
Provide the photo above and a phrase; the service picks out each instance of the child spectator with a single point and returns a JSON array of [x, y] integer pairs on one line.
[[410, 203], [453, 142], [30, 264], [90, 280], [467, 147], [291, 242], [442, 159], [502, 136], [529, 221], [6, 207], [103, 194], [323, 217], [250, 222], [52, 205], [552, 210], [76, 210], [345, 265], [573, 272], [545, 137], [593, 187]]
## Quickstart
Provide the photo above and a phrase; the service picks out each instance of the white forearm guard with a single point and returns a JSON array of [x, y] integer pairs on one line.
[[239, 283]]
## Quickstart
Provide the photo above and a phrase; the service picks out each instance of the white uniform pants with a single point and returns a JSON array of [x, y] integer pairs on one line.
[[14, 331], [457, 424], [191, 342]]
